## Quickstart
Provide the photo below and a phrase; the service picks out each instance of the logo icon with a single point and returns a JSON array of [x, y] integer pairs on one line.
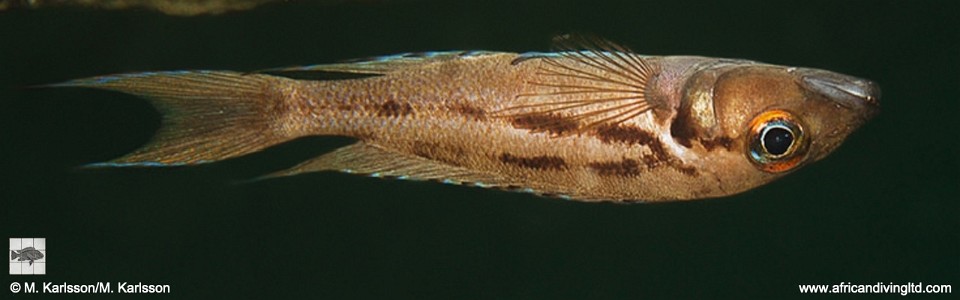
[[28, 256]]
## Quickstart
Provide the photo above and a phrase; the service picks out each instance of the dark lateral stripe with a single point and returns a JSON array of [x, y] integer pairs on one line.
[[626, 167], [552, 123], [632, 135], [470, 111], [392, 108], [632, 167], [615, 133], [543, 162]]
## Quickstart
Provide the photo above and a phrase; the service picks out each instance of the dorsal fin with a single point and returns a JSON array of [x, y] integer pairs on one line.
[[383, 64], [589, 82]]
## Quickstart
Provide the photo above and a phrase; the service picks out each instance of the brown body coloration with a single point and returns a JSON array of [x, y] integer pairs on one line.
[[595, 124]]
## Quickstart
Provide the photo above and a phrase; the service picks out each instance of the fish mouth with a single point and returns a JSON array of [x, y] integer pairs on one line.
[[851, 92]]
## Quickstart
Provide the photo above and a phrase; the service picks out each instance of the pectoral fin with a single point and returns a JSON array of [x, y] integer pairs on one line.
[[590, 82]]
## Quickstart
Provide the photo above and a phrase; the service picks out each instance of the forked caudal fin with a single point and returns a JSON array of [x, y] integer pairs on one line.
[[207, 115]]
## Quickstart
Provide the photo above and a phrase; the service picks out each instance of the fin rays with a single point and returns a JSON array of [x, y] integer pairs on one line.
[[207, 115], [592, 82]]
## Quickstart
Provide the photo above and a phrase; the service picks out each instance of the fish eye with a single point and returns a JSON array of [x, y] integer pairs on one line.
[[777, 143], [776, 139]]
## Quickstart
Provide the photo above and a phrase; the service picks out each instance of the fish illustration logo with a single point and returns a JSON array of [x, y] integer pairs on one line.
[[28, 253], [28, 256]]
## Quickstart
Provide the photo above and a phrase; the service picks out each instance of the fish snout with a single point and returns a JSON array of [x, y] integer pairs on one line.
[[858, 94]]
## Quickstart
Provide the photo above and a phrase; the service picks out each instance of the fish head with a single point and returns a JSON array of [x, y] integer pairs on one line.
[[770, 120]]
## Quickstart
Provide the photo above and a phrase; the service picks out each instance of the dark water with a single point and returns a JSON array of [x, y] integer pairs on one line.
[[884, 207]]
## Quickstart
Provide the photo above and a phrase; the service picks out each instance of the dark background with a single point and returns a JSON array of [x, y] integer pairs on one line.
[[884, 207]]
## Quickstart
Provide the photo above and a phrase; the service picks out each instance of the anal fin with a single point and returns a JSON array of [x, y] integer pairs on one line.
[[364, 158]]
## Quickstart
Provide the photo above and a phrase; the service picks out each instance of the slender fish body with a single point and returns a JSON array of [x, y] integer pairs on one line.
[[592, 122]]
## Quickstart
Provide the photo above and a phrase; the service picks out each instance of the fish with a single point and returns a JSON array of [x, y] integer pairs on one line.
[[28, 253], [590, 121]]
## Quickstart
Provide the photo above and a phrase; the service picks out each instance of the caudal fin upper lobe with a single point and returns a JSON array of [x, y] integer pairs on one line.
[[207, 115]]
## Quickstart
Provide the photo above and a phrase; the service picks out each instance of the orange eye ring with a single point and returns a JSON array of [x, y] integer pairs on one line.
[[777, 141]]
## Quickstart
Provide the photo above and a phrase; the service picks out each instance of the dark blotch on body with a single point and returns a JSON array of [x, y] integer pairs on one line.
[[632, 135], [394, 109], [723, 141], [552, 123], [626, 167], [687, 170], [681, 130], [615, 133], [543, 162], [471, 112], [685, 133]]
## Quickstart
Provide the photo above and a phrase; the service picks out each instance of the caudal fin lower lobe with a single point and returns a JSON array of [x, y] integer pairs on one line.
[[207, 115]]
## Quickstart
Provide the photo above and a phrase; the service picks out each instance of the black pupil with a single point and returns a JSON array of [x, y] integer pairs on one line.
[[777, 140]]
